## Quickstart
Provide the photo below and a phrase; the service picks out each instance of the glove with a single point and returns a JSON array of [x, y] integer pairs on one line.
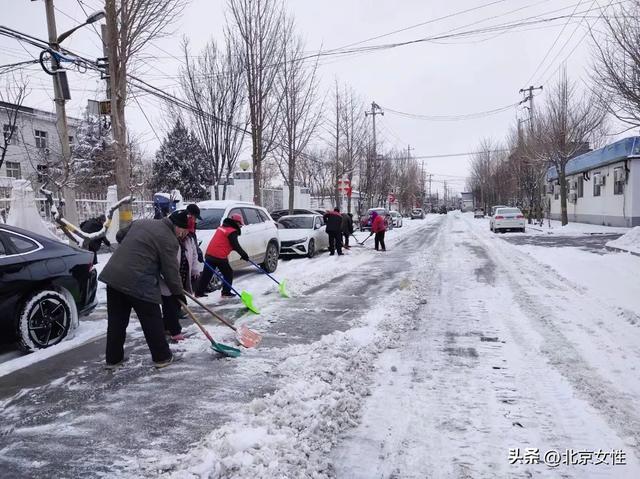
[[245, 257], [181, 298]]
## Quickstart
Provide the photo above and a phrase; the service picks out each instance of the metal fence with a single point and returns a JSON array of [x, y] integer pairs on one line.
[[88, 207]]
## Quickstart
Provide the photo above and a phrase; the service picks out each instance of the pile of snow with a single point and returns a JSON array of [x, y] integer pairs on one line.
[[322, 387], [573, 229], [23, 212], [628, 242]]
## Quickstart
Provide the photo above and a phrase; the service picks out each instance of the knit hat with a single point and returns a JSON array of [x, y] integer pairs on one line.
[[194, 211], [180, 219]]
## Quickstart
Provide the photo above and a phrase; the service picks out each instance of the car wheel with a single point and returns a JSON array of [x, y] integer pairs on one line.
[[271, 258], [44, 320], [311, 249]]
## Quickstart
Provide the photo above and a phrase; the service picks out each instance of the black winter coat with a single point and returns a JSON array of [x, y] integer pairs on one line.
[[333, 220], [149, 249]]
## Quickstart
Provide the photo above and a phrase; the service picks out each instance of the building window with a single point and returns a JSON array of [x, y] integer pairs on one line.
[[618, 180], [13, 170], [580, 187], [9, 133], [556, 191], [597, 184], [41, 138]]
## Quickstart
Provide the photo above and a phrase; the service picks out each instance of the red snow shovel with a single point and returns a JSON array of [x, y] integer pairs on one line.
[[244, 335]]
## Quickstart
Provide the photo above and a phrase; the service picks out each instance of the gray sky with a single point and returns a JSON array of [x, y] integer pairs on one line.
[[449, 77]]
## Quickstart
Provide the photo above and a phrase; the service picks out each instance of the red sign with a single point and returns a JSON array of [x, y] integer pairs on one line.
[[392, 198], [349, 190]]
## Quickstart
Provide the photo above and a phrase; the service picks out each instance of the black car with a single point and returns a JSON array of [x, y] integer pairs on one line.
[[277, 214], [45, 285]]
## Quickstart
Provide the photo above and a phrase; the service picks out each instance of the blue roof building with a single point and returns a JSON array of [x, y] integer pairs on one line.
[[603, 185]]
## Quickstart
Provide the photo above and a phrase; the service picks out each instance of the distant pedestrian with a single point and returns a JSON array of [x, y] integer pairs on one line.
[[224, 241], [333, 220], [347, 228], [93, 225], [146, 254], [189, 269], [378, 227]]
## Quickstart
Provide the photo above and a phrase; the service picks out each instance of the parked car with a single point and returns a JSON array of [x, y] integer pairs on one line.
[[259, 237], [417, 214], [45, 287], [302, 235], [396, 218], [494, 208], [478, 213], [277, 214], [507, 219], [365, 221]]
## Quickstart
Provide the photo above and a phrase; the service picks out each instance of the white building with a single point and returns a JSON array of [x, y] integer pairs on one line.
[[603, 186], [240, 188], [35, 138]]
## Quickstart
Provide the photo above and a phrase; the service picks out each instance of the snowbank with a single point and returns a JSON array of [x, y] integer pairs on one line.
[[628, 242], [290, 432], [556, 228]]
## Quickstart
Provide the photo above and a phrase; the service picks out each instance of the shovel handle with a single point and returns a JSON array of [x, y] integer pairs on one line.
[[195, 320], [211, 312], [221, 278], [262, 270]]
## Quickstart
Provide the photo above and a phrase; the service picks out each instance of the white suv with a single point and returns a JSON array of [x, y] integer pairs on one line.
[[259, 235]]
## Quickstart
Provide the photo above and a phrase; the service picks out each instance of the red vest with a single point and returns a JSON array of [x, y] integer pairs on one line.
[[220, 246]]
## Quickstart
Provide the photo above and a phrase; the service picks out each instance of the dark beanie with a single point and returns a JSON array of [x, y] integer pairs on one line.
[[180, 219], [194, 211]]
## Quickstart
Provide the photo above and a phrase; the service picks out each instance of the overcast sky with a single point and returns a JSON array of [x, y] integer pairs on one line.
[[456, 76]]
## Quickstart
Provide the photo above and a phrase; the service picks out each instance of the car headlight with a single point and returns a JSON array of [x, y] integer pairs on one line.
[[301, 240]]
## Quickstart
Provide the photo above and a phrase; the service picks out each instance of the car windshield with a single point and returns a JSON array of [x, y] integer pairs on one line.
[[211, 218], [417, 211], [299, 222], [508, 211]]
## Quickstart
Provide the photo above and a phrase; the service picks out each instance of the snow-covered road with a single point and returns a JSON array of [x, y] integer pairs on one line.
[[455, 354]]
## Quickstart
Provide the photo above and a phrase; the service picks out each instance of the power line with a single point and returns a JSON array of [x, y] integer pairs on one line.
[[554, 42], [467, 116]]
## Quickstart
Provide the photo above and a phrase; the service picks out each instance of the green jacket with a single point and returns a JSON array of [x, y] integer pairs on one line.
[[149, 249]]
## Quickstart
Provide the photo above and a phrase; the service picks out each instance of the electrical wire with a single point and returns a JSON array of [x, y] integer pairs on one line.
[[467, 116]]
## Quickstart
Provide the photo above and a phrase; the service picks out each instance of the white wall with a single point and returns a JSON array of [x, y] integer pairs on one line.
[[606, 209]]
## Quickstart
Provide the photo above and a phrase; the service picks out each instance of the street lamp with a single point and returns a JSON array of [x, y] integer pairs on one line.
[[94, 17]]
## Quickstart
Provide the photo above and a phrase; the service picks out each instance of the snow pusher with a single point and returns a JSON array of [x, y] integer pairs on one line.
[[223, 349], [281, 285], [244, 335], [246, 298]]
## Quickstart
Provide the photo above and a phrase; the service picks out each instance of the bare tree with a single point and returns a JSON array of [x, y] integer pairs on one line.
[[354, 134], [258, 23], [214, 86], [297, 86], [617, 64], [131, 25], [568, 122], [11, 99]]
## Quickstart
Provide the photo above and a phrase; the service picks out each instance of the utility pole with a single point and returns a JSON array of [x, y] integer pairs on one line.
[[375, 110], [529, 98], [430, 201], [61, 92]]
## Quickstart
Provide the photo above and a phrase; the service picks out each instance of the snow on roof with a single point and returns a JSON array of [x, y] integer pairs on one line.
[[620, 150]]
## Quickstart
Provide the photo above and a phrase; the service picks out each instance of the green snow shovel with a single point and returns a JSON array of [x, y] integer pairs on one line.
[[281, 286], [246, 297], [223, 349]]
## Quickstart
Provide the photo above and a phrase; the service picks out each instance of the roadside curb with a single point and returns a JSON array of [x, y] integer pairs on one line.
[[621, 250]]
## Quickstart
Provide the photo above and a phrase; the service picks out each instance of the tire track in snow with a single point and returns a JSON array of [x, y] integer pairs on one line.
[[617, 406]]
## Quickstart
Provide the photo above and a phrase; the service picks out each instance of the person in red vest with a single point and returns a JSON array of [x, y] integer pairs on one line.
[[224, 241], [378, 227]]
